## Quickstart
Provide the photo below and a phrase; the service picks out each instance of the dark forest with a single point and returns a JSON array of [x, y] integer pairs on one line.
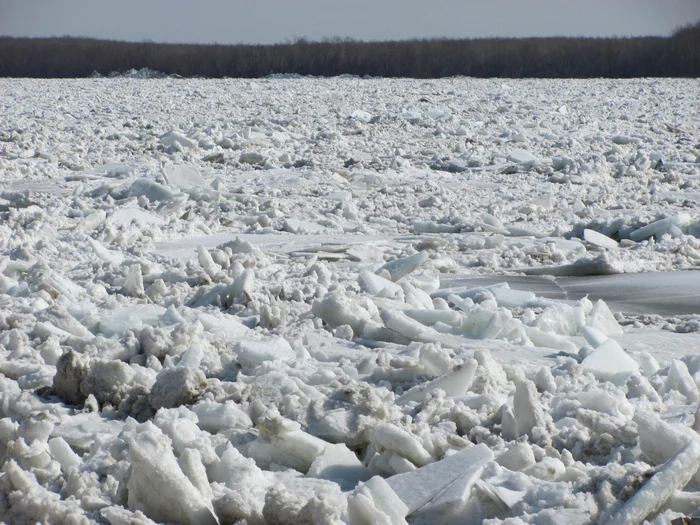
[[677, 55]]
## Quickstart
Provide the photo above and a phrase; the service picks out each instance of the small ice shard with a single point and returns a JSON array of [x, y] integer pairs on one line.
[[251, 353], [175, 139], [390, 437], [609, 362], [456, 383], [399, 268], [378, 285], [679, 379], [593, 237], [158, 487], [207, 263], [603, 320], [376, 502], [103, 253], [527, 409], [404, 325], [422, 485], [658, 228], [183, 176], [430, 317], [61, 452], [416, 296], [674, 475], [133, 286]]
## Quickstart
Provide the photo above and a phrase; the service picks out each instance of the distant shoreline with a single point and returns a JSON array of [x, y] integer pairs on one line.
[[677, 55]]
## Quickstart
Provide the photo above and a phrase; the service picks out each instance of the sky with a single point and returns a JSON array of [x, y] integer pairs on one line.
[[272, 21]]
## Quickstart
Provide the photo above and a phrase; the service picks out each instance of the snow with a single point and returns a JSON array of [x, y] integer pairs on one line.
[[332, 303]]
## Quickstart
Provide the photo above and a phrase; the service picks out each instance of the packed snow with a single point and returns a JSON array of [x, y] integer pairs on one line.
[[325, 301]]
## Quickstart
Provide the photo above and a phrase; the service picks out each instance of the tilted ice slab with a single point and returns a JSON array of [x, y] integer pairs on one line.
[[419, 487]]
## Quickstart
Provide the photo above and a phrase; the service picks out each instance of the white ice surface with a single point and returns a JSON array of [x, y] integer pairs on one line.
[[329, 301]]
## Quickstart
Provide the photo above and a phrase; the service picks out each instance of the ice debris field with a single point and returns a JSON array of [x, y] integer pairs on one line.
[[326, 301]]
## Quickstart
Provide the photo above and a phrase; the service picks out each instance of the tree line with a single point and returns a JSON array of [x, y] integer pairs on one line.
[[677, 55]]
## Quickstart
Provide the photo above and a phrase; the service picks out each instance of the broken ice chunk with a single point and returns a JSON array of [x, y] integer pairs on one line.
[[517, 456], [224, 295], [338, 463], [609, 362], [252, 353], [177, 386], [376, 284], [175, 139], [158, 487], [679, 379], [527, 409], [422, 485], [548, 340], [213, 416], [205, 260], [62, 453], [603, 320], [456, 383], [658, 228], [593, 237], [659, 440], [281, 441], [402, 267], [183, 176], [430, 317], [674, 475], [451, 503], [337, 310], [133, 286], [524, 158], [511, 298], [131, 317], [376, 502], [390, 437], [150, 189]]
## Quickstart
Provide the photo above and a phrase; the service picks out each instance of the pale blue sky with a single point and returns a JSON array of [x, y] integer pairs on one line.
[[269, 21]]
